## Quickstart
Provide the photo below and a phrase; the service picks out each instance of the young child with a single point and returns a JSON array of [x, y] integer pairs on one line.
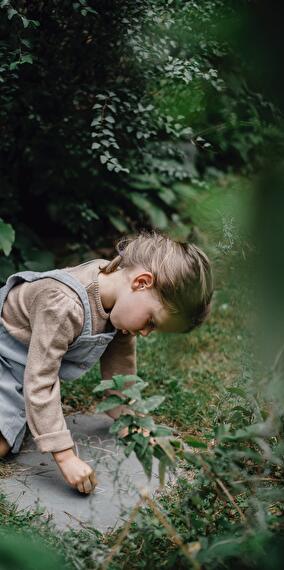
[[56, 324]]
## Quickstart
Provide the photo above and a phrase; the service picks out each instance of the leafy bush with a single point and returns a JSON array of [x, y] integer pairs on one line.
[[135, 428], [226, 507], [103, 108]]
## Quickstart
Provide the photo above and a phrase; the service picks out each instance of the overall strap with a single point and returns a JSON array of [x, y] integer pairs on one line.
[[59, 275]]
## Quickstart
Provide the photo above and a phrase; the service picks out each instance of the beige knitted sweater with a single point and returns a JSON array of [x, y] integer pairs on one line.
[[47, 316]]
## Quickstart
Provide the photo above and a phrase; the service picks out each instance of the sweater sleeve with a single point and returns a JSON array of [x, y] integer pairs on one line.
[[119, 356], [56, 320]]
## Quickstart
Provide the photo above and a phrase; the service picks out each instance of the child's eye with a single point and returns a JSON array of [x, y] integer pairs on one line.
[[152, 324]]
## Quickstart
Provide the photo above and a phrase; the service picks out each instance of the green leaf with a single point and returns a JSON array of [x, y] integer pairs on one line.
[[195, 442], [109, 403], [33, 23], [145, 182], [119, 382], [104, 385], [177, 443], [145, 406], [121, 422], [162, 472], [141, 384], [7, 237], [191, 458], [146, 460], [26, 42], [167, 195], [138, 406], [146, 422], [11, 13], [133, 393], [141, 440], [153, 402], [14, 65], [110, 166], [27, 58], [119, 224], [156, 215], [163, 431], [166, 446], [121, 379], [185, 190], [7, 268], [129, 448], [25, 21]]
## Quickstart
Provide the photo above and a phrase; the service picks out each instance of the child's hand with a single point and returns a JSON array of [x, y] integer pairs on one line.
[[75, 471]]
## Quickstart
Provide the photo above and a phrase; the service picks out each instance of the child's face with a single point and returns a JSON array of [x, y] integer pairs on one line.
[[137, 309]]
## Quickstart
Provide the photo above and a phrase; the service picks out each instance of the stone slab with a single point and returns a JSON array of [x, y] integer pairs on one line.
[[38, 481]]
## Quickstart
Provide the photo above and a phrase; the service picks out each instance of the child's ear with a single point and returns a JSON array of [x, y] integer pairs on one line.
[[143, 280]]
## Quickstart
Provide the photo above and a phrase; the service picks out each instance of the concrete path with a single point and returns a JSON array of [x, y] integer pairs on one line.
[[37, 480]]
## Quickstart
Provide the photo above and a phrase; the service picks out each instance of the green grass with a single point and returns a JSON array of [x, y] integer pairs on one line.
[[192, 371]]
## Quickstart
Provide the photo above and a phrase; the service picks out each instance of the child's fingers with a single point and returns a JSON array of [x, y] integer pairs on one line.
[[85, 487], [88, 487], [93, 479], [80, 488], [88, 484]]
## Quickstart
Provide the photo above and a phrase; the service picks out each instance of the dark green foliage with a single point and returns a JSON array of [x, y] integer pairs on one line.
[[7, 237], [103, 107]]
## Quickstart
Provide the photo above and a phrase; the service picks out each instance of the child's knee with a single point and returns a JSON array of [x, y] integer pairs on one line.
[[4, 446]]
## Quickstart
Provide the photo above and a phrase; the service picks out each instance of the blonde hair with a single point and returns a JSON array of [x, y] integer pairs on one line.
[[182, 275]]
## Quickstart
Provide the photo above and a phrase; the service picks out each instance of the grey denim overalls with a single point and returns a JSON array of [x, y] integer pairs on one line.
[[81, 355]]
